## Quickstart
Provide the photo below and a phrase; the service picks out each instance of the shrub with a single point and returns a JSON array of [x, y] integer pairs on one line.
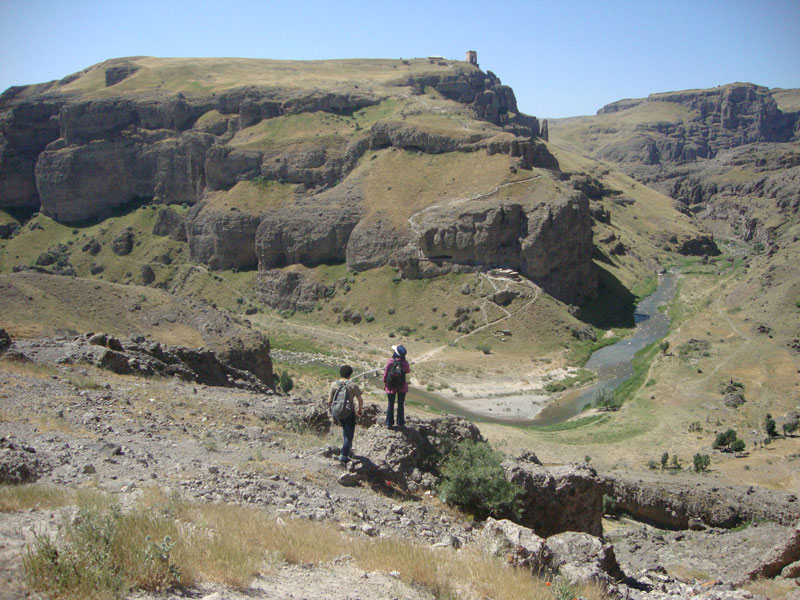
[[664, 346], [724, 439], [701, 462], [676, 463], [769, 426], [609, 505], [485, 348], [664, 460], [473, 479], [604, 399], [652, 464], [285, 382], [790, 427], [737, 445]]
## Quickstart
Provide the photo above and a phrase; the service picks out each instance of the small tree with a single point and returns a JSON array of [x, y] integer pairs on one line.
[[285, 382], [737, 445], [724, 439], [664, 346], [664, 460], [604, 399], [676, 463], [790, 427], [701, 462], [769, 426]]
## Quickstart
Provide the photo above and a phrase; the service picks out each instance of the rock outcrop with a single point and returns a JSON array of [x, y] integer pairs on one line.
[[723, 117], [408, 457], [676, 505], [579, 557], [555, 500], [142, 357], [289, 290], [783, 559], [551, 244]]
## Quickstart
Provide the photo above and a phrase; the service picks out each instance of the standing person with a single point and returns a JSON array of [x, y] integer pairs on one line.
[[348, 423], [395, 385]]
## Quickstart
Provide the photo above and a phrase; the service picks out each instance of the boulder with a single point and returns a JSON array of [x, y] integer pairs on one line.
[[405, 456], [19, 464], [518, 545], [5, 340], [123, 243], [579, 557], [567, 498], [583, 558], [147, 273]]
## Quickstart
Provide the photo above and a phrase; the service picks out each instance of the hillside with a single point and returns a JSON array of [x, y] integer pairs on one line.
[[173, 232], [727, 156]]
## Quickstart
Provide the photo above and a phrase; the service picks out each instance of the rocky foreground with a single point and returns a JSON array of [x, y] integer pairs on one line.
[[73, 427]]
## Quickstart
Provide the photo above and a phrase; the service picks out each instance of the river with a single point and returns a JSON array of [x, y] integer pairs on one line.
[[612, 364]]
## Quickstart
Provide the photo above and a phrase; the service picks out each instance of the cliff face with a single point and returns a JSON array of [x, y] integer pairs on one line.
[[728, 155], [144, 130], [716, 119]]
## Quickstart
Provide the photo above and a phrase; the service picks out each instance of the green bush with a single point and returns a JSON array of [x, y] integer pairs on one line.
[[473, 480], [737, 445], [485, 348], [604, 399], [724, 439], [701, 462], [609, 505], [769, 426], [285, 382]]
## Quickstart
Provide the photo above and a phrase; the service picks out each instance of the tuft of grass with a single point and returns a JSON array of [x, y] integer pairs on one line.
[[15, 498]]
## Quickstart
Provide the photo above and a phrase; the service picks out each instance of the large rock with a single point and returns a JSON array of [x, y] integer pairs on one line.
[[170, 223], [289, 290], [579, 557], [147, 358], [409, 456], [19, 464], [568, 498], [583, 558], [312, 232], [550, 243], [517, 544], [222, 239]]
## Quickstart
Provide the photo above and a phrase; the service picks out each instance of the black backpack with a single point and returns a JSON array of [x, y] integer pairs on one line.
[[396, 376], [341, 408]]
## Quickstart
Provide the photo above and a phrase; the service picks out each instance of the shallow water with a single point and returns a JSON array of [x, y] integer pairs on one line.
[[612, 364]]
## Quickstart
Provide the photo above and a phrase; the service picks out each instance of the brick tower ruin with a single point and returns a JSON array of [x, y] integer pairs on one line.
[[472, 57]]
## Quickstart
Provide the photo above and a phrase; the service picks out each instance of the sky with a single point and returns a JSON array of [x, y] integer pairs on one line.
[[562, 58]]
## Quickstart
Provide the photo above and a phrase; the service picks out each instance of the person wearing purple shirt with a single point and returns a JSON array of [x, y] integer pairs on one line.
[[394, 390]]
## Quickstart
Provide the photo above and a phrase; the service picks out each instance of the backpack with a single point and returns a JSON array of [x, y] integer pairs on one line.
[[341, 408], [396, 376]]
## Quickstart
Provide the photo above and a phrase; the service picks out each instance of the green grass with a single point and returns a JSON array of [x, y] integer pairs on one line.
[[641, 365], [573, 423]]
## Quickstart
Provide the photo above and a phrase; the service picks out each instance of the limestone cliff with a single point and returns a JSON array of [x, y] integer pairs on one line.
[[193, 132]]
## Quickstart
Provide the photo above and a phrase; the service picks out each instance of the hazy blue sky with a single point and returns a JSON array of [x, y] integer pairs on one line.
[[562, 58]]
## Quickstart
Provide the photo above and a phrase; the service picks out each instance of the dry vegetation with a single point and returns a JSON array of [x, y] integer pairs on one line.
[[165, 542]]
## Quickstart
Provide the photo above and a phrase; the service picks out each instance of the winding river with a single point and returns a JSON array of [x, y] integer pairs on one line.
[[612, 364]]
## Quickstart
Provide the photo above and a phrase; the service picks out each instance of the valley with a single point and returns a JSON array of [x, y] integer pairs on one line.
[[189, 248]]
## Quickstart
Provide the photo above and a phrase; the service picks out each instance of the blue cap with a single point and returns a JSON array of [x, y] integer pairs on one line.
[[399, 350]]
